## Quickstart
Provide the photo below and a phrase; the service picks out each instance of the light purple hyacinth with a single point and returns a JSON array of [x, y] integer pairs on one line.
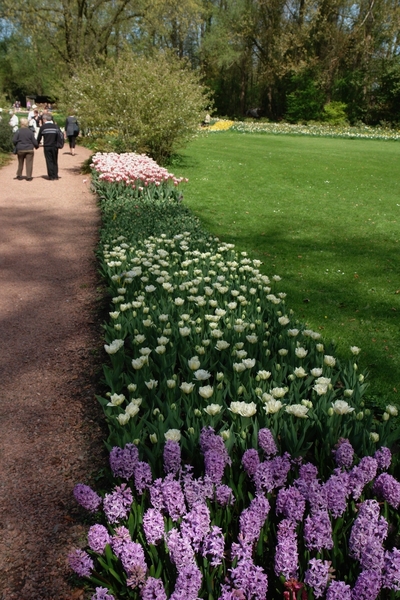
[[180, 549], [286, 555], [214, 465], [317, 576], [153, 589], [120, 538], [196, 524], [214, 546], [228, 594], [338, 590], [174, 500], [367, 525], [156, 495], [337, 492], [210, 441], [361, 475], [290, 503], [251, 578], [172, 457], [86, 497], [367, 586], [143, 477], [102, 594], [344, 454], [308, 472], [318, 531], [153, 525], [134, 563], [383, 457], [196, 490], [188, 583], [272, 473], [391, 570], [117, 504], [373, 555], [250, 461], [80, 562], [266, 442], [253, 518], [388, 488], [124, 460], [98, 538], [224, 495]]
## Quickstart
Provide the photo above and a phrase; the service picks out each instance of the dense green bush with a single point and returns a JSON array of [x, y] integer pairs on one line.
[[334, 113], [146, 105], [6, 144]]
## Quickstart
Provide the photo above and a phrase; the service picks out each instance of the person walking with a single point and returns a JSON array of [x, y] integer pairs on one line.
[[71, 131], [25, 142], [13, 122], [50, 132]]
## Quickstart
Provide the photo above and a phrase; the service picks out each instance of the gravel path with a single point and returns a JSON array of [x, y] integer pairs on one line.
[[49, 433]]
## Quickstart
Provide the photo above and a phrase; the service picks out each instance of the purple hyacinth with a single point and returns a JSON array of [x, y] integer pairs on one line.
[[143, 477], [338, 590], [391, 570], [362, 474], [272, 473], [196, 490], [266, 442], [290, 503], [368, 524], [156, 495], [180, 549], [117, 504], [228, 594], [153, 526], [344, 454], [253, 518], [214, 465], [367, 586], [80, 562], [196, 524], [174, 500], [153, 589], [337, 492], [224, 495], [373, 555], [251, 578], [102, 594], [124, 460], [383, 457], [317, 576], [318, 531], [210, 441], [286, 556], [308, 472], [388, 488], [188, 583], [214, 546], [98, 538], [134, 563], [172, 457], [120, 538], [86, 497], [250, 461]]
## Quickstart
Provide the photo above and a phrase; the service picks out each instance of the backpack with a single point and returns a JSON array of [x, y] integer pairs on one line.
[[60, 139]]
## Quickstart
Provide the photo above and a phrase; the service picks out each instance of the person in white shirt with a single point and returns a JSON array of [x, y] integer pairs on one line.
[[13, 122]]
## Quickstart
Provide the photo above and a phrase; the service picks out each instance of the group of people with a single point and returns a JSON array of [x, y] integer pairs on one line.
[[28, 137]]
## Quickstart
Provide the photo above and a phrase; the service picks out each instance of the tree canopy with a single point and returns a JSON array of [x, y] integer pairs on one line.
[[290, 58]]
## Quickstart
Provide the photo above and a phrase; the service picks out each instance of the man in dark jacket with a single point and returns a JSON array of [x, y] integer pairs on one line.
[[49, 131]]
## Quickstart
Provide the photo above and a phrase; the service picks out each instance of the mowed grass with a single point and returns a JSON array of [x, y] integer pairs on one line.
[[324, 214]]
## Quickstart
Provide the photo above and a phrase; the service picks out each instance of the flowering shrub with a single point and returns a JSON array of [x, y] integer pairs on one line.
[[191, 535]]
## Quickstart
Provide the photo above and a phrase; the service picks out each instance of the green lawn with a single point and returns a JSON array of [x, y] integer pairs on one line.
[[324, 214]]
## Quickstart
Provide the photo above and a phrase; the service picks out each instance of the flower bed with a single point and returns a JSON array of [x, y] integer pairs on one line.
[[243, 461]]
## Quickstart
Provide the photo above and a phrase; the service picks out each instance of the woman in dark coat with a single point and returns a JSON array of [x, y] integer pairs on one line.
[[71, 132], [25, 143]]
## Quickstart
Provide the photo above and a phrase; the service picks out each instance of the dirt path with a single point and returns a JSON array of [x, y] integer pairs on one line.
[[49, 439]]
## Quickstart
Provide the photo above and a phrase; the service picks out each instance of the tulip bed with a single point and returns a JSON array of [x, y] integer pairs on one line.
[[243, 462]]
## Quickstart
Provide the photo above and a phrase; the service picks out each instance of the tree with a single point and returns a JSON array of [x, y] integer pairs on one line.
[[152, 105]]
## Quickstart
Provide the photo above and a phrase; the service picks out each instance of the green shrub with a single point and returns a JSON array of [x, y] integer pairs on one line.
[[305, 103], [334, 113], [6, 134], [146, 105]]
